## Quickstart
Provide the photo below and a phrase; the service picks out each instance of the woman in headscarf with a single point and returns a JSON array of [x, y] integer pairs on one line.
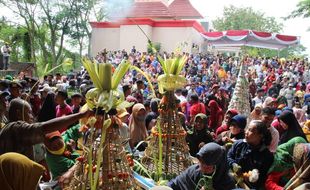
[[291, 126], [216, 115], [225, 125], [48, 110], [210, 173], [269, 102], [252, 153], [200, 135], [137, 126], [282, 168], [236, 130], [301, 157], [17, 172], [299, 113], [256, 113]]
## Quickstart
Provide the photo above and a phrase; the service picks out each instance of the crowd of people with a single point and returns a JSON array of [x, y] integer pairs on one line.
[[39, 119]]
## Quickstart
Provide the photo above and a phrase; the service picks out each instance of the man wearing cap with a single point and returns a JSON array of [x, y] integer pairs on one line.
[[20, 134], [61, 154], [15, 90], [210, 173]]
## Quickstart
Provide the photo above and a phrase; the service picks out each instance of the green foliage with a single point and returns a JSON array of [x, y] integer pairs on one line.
[[26, 47], [303, 10], [235, 18], [291, 52], [46, 27]]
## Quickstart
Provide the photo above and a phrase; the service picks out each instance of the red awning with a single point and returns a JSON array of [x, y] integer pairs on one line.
[[250, 38]]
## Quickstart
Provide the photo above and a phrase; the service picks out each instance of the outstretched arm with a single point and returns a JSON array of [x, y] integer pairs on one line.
[[63, 122]]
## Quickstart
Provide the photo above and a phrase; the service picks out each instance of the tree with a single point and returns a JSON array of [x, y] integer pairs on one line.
[[50, 24], [246, 18], [303, 10]]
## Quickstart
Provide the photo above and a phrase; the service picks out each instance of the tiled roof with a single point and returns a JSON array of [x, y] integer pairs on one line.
[[158, 9], [149, 10], [183, 8]]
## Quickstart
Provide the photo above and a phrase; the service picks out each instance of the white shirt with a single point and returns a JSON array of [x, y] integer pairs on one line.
[[275, 139], [5, 51], [257, 100], [181, 98]]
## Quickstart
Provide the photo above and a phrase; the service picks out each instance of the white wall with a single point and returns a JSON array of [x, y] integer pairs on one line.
[[131, 35], [108, 38], [171, 37]]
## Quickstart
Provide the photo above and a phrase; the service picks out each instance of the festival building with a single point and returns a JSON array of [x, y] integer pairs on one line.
[[171, 23]]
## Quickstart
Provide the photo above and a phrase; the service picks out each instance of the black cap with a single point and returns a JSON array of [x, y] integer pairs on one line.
[[15, 84], [260, 90]]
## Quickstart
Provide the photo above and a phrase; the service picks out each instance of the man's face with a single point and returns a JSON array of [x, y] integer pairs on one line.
[[141, 86], [59, 99], [15, 92], [267, 119], [76, 101]]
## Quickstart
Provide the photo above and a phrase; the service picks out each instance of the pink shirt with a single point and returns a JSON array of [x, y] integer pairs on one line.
[[62, 112]]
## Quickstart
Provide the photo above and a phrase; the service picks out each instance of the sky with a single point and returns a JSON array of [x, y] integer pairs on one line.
[[275, 8]]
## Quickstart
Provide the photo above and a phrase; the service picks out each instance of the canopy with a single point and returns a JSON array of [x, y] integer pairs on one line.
[[237, 38]]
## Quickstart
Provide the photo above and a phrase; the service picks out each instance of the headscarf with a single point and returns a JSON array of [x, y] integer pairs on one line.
[[294, 128], [17, 172], [300, 115], [48, 110], [214, 154], [268, 101], [254, 115], [283, 156], [137, 128], [203, 117], [211, 154], [215, 112], [301, 157]]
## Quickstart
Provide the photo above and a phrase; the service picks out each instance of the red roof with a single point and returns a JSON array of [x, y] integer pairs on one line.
[[147, 21], [158, 9], [183, 8], [149, 10]]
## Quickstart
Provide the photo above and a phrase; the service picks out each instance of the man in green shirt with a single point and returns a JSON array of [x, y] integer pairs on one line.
[[60, 155]]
